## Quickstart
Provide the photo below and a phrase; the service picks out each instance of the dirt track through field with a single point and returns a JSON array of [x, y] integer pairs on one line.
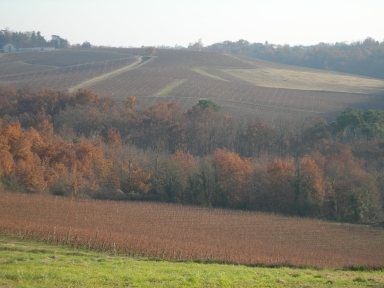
[[206, 74], [140, 61], [166, 90]]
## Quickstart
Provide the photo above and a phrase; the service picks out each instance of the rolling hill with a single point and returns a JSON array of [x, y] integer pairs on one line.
[[280, 94], [243, 86]]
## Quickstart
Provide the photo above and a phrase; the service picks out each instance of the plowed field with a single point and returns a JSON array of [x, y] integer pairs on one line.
[[247, 87], [188, 233]]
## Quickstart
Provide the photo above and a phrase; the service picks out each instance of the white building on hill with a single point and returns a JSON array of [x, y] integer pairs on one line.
[[12, 48], [9, 48]]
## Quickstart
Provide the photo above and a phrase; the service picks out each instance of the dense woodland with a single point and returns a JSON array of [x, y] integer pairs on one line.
[[363, 57], [81, 145]]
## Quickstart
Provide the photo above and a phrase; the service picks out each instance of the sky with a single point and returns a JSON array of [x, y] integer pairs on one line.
[[136, 23]]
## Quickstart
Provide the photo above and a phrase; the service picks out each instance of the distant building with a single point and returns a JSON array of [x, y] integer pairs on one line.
[[12, 48], [9, 48]]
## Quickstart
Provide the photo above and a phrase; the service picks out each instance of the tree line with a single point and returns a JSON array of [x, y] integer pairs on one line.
[[81, 145], [30, 39], [362, 57]]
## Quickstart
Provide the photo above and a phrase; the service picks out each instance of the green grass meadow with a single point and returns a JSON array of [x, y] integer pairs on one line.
[[33, 264]]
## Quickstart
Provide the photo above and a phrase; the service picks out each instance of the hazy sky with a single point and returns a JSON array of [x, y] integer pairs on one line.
[[171, 22]]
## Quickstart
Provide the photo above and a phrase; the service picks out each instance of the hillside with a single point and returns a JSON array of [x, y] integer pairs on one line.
[[243, 86], [83, 147]]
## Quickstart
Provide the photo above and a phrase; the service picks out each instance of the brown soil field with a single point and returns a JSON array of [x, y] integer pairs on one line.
[[182, 233], [243, 86]]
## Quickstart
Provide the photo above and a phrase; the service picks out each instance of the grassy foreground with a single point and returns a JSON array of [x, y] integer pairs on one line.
[[33, 264]]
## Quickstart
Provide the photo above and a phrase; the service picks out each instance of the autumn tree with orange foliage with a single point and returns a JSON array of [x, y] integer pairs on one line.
[[39, 162], [129, 172], [233, 177], [28, 167], [311, 187], [281, 193], [113, 137], [85, 96], [7, 165], [135, 180]]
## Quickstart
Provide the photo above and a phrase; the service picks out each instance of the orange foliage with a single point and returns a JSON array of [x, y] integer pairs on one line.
[[7, 165], [164, 111], [281, 195], [313, 180], [113, 137], [45, 128], [13, 140], [233, 174], [184, 159], [139, 181], [84, 96], [31, 174], [90, 163], [39, 161], [312, 187], [134, 179]]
